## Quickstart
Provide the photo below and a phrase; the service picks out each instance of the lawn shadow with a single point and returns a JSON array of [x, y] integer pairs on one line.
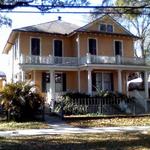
[[120, 141]]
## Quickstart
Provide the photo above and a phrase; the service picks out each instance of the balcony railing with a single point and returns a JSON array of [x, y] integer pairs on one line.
[[49, 60], [75, 61]]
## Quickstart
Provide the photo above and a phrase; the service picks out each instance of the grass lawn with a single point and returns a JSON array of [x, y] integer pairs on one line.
[[110, 122], [109, 141], [22, 125]]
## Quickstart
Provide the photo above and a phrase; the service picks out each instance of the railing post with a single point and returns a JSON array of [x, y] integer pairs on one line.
[[21, 59], [51, 59], [118, 59], [88, 57]]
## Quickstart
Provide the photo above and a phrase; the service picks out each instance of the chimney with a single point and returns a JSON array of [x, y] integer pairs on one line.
[[59, 18]]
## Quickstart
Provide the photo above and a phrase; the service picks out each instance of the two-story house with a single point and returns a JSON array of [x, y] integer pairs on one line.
[[60, 56]]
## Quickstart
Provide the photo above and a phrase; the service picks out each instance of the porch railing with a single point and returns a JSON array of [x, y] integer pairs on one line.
[[98, 105], [88, 59]]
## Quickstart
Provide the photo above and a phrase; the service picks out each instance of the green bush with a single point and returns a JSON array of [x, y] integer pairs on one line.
[[21, 100], [71, 108]]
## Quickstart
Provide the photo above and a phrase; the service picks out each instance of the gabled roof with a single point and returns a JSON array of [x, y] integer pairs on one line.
[[54, 27], [85, 28]]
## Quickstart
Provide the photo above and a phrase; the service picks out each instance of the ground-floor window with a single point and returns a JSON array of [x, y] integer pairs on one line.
[[102, 81], [60, 82]]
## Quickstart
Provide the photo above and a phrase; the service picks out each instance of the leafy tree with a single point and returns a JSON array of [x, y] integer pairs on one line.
[[42, 5], [21, 100], [137, 18]]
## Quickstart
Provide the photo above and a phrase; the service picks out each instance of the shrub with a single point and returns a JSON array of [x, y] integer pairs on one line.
[[70, 107], [21, 100]]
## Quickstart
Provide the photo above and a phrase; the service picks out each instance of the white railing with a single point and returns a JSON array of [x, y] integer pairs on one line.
[[49, 60], [85, 60], [103, 59], [132, 61]]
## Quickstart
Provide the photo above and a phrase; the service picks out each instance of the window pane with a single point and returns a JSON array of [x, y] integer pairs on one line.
[[109, 28], [58, 48], [118, 48], [35, 46], [103, 27], [99, 81], [92, 46], [58, 82], [107, 81]]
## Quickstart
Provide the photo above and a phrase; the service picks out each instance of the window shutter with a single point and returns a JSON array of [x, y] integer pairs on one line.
[[64, 81], [112, 82], [43, 82], [93, 81]]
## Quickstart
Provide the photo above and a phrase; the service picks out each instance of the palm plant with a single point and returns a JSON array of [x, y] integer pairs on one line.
[[21, 100]]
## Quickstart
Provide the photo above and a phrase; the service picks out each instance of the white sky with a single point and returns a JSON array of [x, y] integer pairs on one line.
[[22, 20]]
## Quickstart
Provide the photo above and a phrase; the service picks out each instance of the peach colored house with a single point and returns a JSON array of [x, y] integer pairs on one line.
[[60, 56]]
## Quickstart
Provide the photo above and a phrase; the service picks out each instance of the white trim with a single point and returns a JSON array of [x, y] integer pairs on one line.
[[31, 37], [89, 82], [79, 81], [146, 84], [96, 44], [19, 47], [119, 81], [62, 46], [78, 45], [122, 50]]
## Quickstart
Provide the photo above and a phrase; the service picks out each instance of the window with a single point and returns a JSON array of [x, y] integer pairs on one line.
[[106, 28], [92, 46], [60, 82], [58, 48], [102, 81], [109, 28], [107, 81], [35, 46], [45, 81], [118, 48], [103, 27]]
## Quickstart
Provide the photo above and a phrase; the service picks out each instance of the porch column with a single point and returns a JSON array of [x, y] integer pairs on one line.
[[52, 85], [22, 76], [146, 84], [89, 82], [34, 76], [119, 81], [79, 86]]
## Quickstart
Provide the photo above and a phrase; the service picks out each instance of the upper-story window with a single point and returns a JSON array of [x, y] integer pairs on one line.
[[35, 46], [58, 48], [106, 28], [92, 46], [118, 48]]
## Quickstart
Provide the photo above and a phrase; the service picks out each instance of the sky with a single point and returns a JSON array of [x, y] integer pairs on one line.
[[22, 20]]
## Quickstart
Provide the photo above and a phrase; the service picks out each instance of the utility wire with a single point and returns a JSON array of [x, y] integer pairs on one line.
[[145, 9]]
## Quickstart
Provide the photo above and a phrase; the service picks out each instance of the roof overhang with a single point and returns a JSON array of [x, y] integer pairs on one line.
[[10, 42]]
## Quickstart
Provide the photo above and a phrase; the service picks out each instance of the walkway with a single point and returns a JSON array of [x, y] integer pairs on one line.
[[59, 127]]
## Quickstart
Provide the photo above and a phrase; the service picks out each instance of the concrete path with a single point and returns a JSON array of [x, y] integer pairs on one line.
[[59, 127]]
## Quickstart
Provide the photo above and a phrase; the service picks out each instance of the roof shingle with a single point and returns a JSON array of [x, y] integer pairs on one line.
[[57, 27]]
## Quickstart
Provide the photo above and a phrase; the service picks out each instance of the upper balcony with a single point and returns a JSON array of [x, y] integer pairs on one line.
[[88, 59]]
